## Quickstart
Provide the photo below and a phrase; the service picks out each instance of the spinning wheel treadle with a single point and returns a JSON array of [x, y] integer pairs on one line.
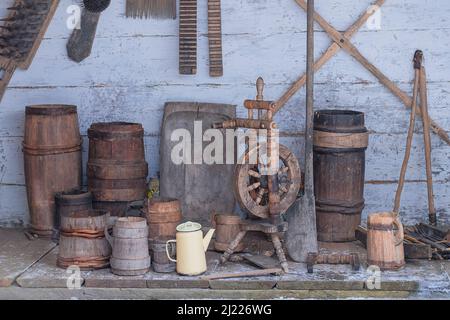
[[251, 187]]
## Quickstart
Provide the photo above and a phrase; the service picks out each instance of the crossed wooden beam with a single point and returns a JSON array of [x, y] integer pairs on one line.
[[342, 41]]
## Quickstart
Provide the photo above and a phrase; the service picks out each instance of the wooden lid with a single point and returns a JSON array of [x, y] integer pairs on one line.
[[50, 109], [108, 130]]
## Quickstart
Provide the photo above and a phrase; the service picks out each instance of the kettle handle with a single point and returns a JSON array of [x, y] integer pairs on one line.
[[108, 237], [167, 250]]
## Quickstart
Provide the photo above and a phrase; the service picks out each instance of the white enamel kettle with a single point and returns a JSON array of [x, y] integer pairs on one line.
[[191, 248]]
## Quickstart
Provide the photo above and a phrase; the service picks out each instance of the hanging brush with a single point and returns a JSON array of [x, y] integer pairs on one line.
[[158, 9], [81, 41]]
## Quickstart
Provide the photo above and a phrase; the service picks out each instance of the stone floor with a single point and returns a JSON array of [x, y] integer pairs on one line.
[[28, 271]]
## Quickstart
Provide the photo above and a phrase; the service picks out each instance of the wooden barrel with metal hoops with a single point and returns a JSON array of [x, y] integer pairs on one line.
[[130, 254], [52, 160], [385, 241], [116, 170], [340, 141], [163, 216], [71, 201], [227, 228], [82, 240]]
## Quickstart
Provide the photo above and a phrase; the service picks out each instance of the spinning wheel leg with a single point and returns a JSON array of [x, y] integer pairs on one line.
[[233, 245], [280, 253]]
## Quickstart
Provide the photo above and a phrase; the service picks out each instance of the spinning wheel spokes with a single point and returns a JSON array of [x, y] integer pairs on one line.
[[251, 184]]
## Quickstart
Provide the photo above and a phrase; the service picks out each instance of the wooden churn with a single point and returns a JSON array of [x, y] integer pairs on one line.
[[340, 142]]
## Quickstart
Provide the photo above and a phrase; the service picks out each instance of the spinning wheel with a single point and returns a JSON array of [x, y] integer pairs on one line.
[[251, 187]]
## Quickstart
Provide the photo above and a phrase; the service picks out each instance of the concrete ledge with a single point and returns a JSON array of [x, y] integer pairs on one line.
[[15, 292]]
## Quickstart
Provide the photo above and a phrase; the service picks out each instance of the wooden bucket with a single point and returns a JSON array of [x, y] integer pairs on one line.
[[227, 227], [116, 170], [52, 160], [71, 201], [130, 254], [160, 261], [163, 216], [82, 240], [340, 141], [385, 241]]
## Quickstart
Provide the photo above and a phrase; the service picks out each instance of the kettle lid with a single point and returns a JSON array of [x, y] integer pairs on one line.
[[189, 226]]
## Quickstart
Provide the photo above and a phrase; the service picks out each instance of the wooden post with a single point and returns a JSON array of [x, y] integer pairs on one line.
[[301, 237]]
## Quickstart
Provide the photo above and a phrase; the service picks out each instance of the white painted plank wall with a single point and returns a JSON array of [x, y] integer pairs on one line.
[[133, 70]]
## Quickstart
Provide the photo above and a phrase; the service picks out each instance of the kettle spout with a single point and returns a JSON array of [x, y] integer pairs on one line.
[[207, 239]]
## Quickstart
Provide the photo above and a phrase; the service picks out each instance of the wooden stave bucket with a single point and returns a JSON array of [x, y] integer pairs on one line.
[[227, 227], [116, 170], [71, 201], [340, 141], [385, 248], [82, 240], [163, 216], [59, 154], [130, 251], [160, 261]]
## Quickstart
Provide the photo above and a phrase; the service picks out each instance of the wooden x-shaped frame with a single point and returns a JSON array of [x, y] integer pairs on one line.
[[341, 41]]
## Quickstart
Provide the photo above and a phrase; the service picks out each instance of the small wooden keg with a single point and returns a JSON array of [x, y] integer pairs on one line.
[[227, 227], [160, 261], [116, 169], [52, 160], [130, 254], [385, 241], [71, 201], [82, 240], [163, 216]]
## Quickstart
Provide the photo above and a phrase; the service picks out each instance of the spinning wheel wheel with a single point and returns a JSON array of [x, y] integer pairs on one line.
[[251, 187]]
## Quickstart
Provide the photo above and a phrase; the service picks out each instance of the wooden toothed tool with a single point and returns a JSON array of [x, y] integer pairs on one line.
[[81, 41], [157, 9], [215, 38], [188, 37], [21, 34]]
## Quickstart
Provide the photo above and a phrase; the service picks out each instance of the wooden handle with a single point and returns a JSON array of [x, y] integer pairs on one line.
[[260, 89], [427, 141], [401, 182], [399, 234], [81, 41]]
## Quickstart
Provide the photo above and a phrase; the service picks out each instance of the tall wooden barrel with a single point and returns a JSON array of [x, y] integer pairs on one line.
[[227, 227], [82, 240], [52, 160], [340, 142], [130, 254], [163, 216], [117, 170], [385, 241]]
